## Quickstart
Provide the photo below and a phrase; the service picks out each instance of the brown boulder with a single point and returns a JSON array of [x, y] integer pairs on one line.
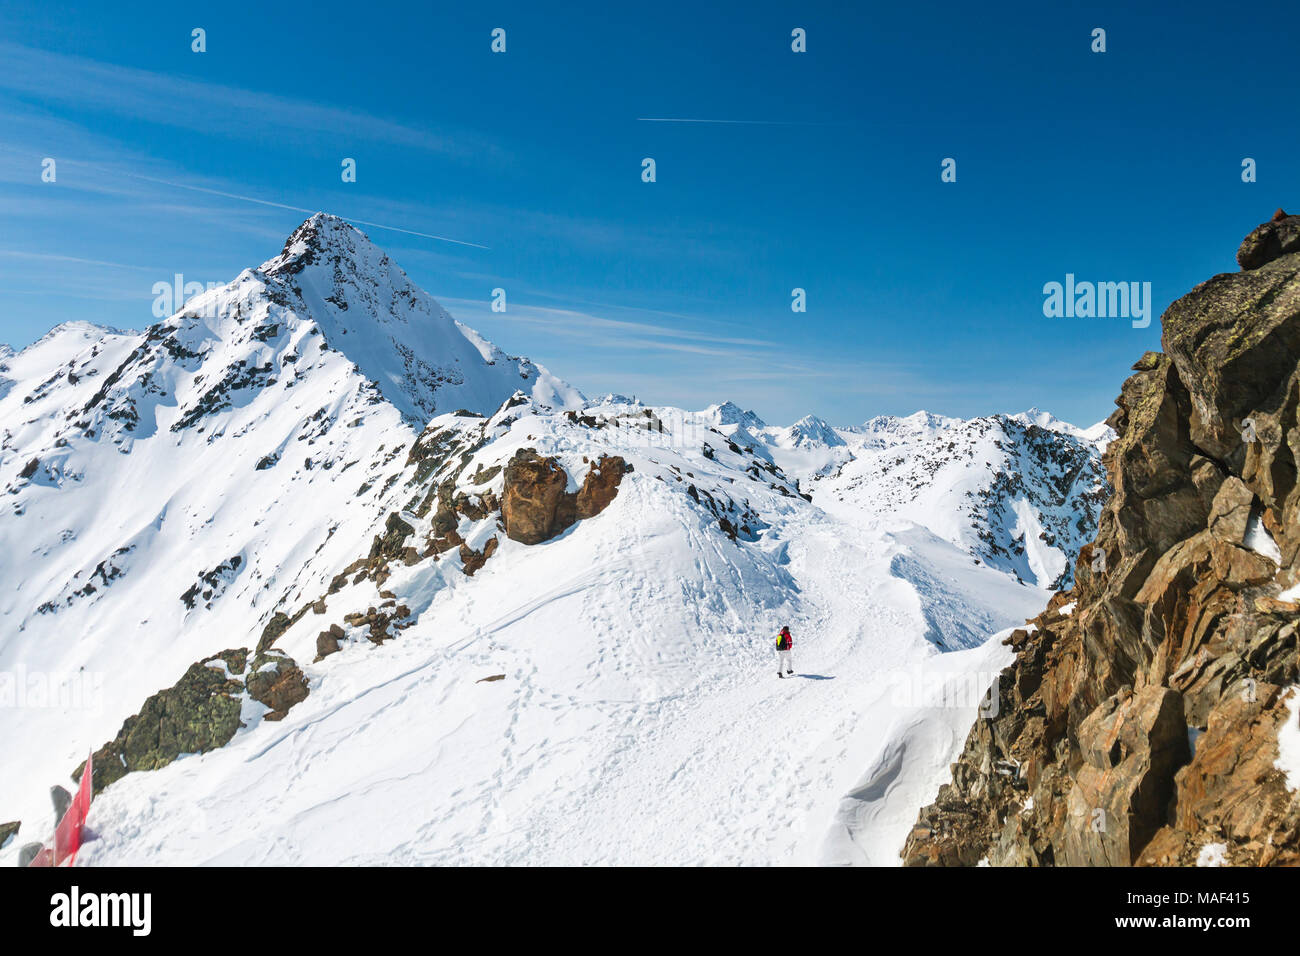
[[276, 681], [600, 487], [533, 499], [327, 642]]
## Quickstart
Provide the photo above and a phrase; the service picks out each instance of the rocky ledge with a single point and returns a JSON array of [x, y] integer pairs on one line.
[[1139, 723], [200, 712]]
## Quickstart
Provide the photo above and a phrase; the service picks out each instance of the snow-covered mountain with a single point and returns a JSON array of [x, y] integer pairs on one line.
[[323, 576], [730, 414], [810, 432], [1020, 493], [1015, 494], [166, 490], [1099, 434]]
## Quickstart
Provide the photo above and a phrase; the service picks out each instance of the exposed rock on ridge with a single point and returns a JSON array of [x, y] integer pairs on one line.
[[535, 503], [200, 712], [1139, 722]]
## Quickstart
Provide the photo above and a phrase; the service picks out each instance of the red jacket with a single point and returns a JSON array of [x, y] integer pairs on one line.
[[784, 641]]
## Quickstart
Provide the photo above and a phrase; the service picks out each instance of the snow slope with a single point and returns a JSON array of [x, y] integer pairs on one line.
[[281, 421], [639, 720]]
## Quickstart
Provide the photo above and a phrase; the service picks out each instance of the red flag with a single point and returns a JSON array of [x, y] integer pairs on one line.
[[67, 835]]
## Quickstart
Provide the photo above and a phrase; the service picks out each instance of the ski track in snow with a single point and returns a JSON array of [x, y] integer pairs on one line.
[[701, 759]]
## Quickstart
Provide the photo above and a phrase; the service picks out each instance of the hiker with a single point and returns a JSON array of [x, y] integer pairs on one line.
[[784, 642]]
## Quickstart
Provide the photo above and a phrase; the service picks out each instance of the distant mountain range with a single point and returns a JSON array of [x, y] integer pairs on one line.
[[1021, 493]]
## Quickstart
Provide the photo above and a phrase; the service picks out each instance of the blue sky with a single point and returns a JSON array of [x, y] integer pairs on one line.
[[1122, 166]]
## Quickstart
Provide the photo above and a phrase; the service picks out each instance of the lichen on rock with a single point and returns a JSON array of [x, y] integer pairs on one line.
[[199, 713]]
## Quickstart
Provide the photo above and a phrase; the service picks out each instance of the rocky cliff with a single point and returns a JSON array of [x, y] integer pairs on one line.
[[1139, 723]]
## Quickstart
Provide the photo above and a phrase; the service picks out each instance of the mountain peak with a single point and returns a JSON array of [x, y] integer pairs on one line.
[[323, 229], [324, 237], [729, 413], [811, 430], [1100, 434], [399, 336], [1036, 416]]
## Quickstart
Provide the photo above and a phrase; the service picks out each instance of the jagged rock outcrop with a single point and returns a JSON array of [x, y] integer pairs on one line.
[[1275, 238], [382, 622], [535, 503], [389, 544], [277, 681], [600, 487], [471, 560], [199, 713], [1139, 722], [10, 830]]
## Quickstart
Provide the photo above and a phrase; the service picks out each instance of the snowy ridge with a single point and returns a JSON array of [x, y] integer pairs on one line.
[[320, 440], [631, 652], [1099, 434]]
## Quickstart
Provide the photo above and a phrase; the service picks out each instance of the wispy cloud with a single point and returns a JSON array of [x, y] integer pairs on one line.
[[74, 260], [115, 181], [211, 108]]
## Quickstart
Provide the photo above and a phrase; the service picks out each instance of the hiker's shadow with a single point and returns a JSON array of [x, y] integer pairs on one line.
[[814, 677]]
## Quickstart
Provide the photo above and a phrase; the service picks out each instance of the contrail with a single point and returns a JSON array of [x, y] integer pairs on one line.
[[734, 122], [298, 208], [280, 205]]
